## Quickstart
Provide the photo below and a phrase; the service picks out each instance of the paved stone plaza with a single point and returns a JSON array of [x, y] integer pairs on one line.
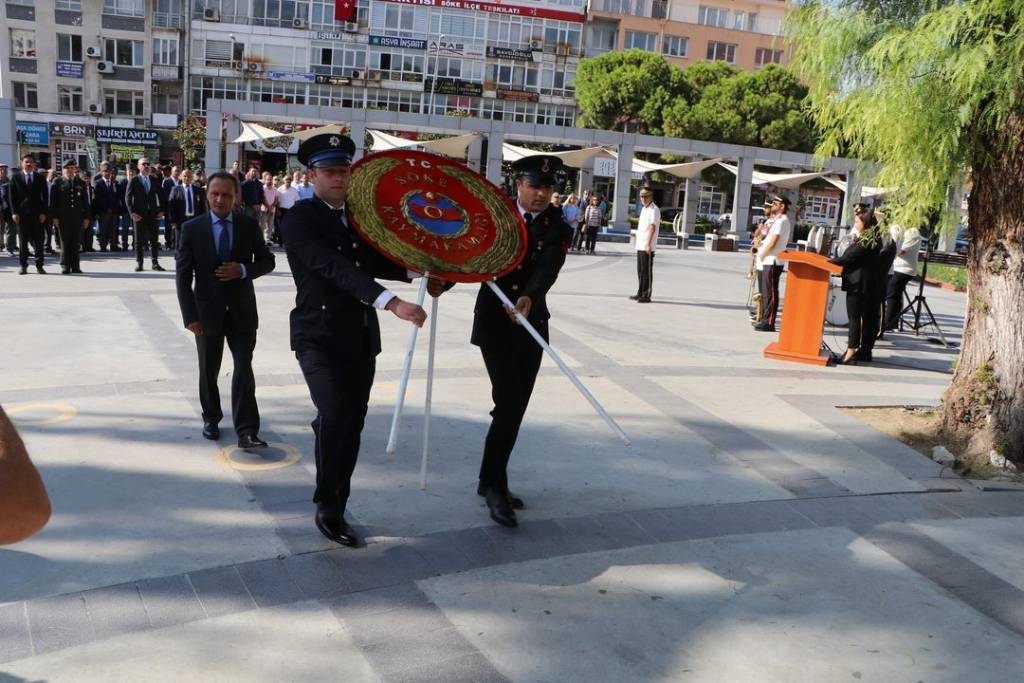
[[751, 532]]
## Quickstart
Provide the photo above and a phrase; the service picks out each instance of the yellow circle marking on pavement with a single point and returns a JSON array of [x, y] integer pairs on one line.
[[64, 412], [249, 461]]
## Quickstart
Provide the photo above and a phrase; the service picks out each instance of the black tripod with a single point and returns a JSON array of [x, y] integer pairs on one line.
[[919, 307]]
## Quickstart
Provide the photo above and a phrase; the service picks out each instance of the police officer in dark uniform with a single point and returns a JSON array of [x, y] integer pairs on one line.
[[334, 329], [69, 207], [511, 355]]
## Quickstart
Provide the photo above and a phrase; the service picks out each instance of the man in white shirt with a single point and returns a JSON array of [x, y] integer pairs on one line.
[[646, 243], [287, 195], [904, 269], [771, 269]]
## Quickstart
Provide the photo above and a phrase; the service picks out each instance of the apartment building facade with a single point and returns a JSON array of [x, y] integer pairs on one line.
[[744, 33]]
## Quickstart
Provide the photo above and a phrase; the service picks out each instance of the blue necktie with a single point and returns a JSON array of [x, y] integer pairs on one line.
[[145, 182], [188, 196], [224, 246]]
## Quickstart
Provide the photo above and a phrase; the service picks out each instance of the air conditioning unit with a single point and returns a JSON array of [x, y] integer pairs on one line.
[[211, 14], [253, 66], [351, 27], [536, 45], [93, 52], [95, 108], [105, 67], [237, 65], [373, 75], [356, 75], [299, 22]]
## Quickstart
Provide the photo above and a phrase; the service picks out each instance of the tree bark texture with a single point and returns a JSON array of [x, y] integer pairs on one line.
[[985, 401]]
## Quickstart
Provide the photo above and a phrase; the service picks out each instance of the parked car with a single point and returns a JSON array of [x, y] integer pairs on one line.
[[963, 244]]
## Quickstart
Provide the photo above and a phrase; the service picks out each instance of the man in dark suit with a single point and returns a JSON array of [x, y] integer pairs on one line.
[[511, 355], [167, 185], [186, 201], [143, 200], [7, 227], [334, 329], [125, 218], [223, 253], [71, 214], [106, 206], [29, 200], [252, 195]]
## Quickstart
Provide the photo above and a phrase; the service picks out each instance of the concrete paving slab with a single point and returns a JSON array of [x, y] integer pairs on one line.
[[135, 495], [994, 544], [820, 605], [301, 643]]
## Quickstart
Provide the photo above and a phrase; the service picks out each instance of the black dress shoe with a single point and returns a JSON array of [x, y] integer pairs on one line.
[[138, 268], [157, 266], [330, 520], [515, 501], [247, 441], [23, 270], [764, 327], [862, 355], [40, 270], [65, 271], [501, 508], [76, 271], [634, 297], [211, 431], [643, 300]]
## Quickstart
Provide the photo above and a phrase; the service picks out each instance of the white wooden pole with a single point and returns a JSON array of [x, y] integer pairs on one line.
[[430, 393], [561, 364], [406, 369]]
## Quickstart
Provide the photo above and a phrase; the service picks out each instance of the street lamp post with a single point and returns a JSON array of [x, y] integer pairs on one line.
[[433, 80]]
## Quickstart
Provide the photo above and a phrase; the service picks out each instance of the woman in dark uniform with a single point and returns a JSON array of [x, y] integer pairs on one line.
[[863, 285]]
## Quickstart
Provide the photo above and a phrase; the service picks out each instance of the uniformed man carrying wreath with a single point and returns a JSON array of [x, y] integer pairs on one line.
[[513, 357], [334, 329], [71, 212]]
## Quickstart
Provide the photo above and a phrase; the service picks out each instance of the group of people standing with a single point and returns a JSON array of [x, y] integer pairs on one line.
[[585, 215]]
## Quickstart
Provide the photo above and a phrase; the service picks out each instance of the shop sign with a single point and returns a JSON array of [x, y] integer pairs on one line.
[[510, 53], [70, 69], [447, 48], [512, 10], [127, 152], [518, 95], [70, 130], [128, 136], [307, 76], [391, 41], [332, 80], [453, 86], [35, 134]]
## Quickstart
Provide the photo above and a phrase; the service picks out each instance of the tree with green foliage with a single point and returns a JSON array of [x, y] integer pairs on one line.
[[933, 92], [628, 89], [191, 138]]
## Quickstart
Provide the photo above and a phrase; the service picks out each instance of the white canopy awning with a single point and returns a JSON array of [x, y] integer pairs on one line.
[[865, 192], [453, 147], [689, 169], [789, 181], [254, 132], [575, 158], [337, 128]]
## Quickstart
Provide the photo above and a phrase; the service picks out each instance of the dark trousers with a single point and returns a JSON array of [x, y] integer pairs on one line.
[[147, 232], [108, 230], [894, 298], [70, 250], [513, 371], [591, 238], [864, 310], [770, 277], [340, 389], [88, 237], [30, 232], [644, 274], [577, 237], [125, 228], [244, 413], [9, 235]]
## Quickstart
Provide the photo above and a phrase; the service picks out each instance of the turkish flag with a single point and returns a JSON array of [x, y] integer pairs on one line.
[[345, 10]]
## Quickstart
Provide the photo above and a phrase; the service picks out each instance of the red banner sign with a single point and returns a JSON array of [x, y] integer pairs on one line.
[[513, 10]]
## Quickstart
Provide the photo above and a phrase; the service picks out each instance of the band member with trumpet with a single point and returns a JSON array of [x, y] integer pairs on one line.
[[756, 299], [771, 271]]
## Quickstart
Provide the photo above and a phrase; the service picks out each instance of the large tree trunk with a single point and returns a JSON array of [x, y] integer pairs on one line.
[[985, 401]]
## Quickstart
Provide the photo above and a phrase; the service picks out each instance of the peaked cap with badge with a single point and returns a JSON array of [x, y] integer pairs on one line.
[[327, 149], [539, 169]]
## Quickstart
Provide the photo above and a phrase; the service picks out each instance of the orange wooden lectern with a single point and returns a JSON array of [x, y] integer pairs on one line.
[[804, 320]]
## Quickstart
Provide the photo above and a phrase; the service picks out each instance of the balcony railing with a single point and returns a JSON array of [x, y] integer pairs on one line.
[[165, 20]]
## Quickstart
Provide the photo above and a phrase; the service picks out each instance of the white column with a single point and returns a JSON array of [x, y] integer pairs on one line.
[[853, 188], [495, 143], [623, 179], [741, 196], [690, 201], [234, 151], [211, 162], [8, 133], [357, 131], [473, 153]]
